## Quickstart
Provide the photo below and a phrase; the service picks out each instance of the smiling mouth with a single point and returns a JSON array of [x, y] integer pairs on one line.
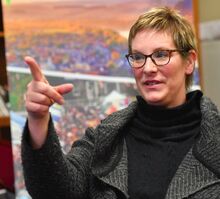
[[151, 83]]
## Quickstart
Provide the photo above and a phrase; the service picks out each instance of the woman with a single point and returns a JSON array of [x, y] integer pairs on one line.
[[163, 145]]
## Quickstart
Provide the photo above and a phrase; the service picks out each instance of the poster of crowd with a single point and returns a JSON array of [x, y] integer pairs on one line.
[[83, 42]]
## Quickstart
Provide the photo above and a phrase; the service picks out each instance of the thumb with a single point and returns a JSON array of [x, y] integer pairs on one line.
[[64, 88]]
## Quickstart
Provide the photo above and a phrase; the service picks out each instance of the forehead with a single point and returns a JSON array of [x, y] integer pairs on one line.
[[150, 39]]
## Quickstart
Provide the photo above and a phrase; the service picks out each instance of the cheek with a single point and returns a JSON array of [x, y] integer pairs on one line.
[[137, 73], [174, 70], [169, 73], [174, 76]]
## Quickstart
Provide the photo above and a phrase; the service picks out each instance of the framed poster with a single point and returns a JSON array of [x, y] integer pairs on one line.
[[83, 42]]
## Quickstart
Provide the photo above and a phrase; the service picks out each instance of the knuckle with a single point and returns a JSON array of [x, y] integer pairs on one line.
[[38, 109], [43, 88]]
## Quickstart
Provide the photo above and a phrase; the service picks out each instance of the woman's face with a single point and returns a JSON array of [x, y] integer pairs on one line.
[[161, 85]]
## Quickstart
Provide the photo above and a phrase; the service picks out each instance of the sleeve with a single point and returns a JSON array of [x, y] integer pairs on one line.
[[48, 173]]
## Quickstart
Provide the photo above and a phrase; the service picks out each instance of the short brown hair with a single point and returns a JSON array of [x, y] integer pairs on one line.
[[170, 20]]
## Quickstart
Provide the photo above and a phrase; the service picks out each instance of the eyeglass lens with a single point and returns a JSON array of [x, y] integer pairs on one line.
[[159, 58]]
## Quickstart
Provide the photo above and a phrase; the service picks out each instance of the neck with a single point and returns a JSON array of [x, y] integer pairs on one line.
[[161, 115]]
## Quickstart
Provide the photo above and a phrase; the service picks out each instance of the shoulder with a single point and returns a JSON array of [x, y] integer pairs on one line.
[[210, 116], [112, 124], [207, 149], [207, 105], [109, 127], [107, 132], [210, 123]]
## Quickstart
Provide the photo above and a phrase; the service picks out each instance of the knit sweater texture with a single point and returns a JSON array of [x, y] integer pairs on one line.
[[96, 166]]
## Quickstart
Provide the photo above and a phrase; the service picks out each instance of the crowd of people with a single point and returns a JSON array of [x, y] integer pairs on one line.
[[75, 121], [99, 52]]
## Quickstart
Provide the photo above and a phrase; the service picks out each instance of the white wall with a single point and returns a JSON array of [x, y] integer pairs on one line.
[[210, 57], [210, 49]]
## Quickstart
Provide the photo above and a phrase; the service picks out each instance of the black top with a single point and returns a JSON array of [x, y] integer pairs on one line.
[[157, 140]]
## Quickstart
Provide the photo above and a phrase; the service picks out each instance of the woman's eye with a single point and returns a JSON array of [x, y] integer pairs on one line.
[[161, 54], [138, 57]]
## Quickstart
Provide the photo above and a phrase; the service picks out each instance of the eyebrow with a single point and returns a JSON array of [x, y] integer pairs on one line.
[[155, 50]]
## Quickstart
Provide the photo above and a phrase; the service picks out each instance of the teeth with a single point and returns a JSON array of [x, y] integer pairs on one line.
[[151, 83]]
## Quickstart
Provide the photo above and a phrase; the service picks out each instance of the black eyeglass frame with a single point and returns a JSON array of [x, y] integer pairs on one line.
[[150, 55]]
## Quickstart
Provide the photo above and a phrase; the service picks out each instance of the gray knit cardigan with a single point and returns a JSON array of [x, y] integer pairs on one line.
[[96, 166]]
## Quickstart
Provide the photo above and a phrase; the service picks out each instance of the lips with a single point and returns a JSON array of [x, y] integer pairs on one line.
[[152, 82]]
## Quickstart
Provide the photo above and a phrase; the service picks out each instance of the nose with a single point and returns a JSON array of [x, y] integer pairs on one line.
[[150, 66]]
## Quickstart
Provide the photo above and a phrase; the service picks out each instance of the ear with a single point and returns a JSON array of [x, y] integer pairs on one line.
[[190, 62]]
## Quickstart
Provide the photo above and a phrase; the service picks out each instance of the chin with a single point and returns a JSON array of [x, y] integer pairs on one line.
[[154, 100], [154, 96]]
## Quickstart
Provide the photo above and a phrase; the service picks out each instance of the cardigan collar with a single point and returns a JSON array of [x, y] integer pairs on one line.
[[112, 151]]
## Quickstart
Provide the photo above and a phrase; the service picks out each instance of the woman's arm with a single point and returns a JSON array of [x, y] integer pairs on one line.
[[39, 96], [50, 174]]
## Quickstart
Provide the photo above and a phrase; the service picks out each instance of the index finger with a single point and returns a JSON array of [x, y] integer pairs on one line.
[[35, 69]]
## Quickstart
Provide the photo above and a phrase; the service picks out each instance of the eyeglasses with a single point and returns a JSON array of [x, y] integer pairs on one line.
[[159, 58]]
